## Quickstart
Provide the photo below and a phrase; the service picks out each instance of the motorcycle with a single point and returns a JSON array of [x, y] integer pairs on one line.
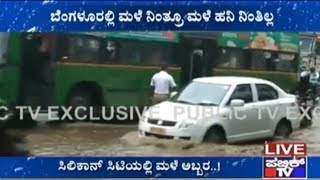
[[308, 101]]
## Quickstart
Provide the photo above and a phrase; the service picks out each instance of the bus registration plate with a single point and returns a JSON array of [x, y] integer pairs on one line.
[[158, 130]]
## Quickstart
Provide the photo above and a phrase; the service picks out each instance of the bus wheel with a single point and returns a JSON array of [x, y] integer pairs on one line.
[[77, 99]]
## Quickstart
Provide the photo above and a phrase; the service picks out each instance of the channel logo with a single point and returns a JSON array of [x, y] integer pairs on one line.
[[285, 161]]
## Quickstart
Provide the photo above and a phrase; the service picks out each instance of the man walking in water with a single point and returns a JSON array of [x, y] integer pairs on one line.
[[162, 82]]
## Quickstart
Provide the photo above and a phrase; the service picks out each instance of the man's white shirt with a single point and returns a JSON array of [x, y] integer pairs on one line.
[[162, 82]]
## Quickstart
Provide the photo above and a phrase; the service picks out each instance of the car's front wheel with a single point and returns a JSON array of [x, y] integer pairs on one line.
[[283, 129], [215, 135]]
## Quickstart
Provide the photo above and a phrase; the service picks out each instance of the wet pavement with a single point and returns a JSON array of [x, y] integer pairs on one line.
[[96, 139]]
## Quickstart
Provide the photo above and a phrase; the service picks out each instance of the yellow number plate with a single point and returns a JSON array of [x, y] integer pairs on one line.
[[157, 130]]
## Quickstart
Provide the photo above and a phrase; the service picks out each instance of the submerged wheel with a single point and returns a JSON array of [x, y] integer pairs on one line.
[[215, 135], [283, 129], [80, 98]]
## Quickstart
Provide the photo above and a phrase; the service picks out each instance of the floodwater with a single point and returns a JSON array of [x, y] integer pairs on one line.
[[96, 139]]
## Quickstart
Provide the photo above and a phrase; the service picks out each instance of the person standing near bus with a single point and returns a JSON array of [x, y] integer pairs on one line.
[[162, 82], [313, 62], [314, 80]]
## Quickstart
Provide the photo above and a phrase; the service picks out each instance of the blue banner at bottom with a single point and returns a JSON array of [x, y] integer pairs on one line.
[[141, 167]]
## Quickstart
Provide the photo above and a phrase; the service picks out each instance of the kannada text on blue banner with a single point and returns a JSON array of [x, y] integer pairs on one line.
[[159, 15], [139, 167], [130, 167]]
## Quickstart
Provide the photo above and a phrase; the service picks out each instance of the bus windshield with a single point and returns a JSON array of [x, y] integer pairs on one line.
[[306, 45]]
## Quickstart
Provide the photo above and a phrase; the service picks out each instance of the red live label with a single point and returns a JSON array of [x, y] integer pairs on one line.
[[285, 149]]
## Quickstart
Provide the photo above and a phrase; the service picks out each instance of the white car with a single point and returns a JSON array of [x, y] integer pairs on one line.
[[223, 109]]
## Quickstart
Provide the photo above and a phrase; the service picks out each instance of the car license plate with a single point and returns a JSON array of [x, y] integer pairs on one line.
[[158, 130], [309, 103]]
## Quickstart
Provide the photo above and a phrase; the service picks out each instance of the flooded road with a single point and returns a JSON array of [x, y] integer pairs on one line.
[[94, 139]]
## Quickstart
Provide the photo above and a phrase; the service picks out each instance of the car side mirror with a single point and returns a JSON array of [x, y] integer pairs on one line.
[[173, 94], [237, 102]]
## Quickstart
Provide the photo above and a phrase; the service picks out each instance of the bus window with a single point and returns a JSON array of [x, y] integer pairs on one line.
[[153, 57], [231, 58], [261, 60], [47, 40], [147, 53], [129, 52], [273, 61], [4, 39], [157, 53], [83, 49], [109, 52], [285, 62]]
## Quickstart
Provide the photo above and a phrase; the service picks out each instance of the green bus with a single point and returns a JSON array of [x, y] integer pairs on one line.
[[270, 55], [95, 69], [115, 68]]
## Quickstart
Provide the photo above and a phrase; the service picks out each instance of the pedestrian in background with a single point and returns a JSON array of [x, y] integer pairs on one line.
[[162, 82], [313, 62], [314, 80]]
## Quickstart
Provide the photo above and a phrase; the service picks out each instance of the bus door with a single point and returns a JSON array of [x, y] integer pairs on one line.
[[198, 59], [197, 64], [4, 39], [36, 81]]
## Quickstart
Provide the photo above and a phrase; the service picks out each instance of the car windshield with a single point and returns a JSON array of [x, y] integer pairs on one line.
[[200, 93]]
